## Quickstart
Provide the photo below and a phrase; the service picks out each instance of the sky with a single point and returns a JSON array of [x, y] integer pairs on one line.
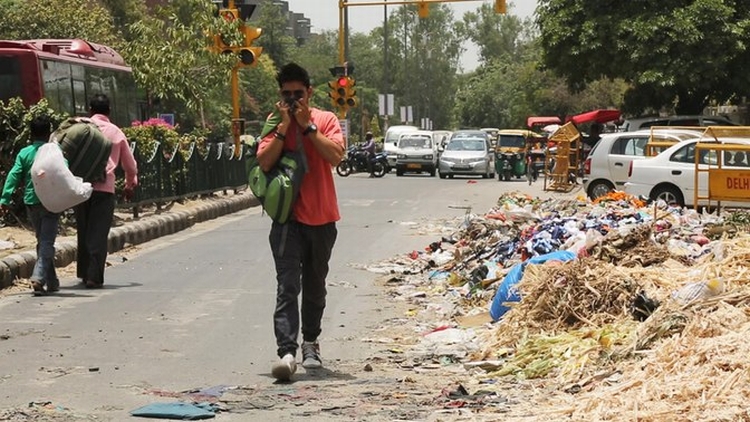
[[324, 15]]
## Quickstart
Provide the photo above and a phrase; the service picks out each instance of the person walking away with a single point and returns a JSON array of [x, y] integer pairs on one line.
[[44, 277], [302, 247], [94, 216], [369, 149]]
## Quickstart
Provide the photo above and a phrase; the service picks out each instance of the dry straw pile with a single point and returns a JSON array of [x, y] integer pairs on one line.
[[687, 361]]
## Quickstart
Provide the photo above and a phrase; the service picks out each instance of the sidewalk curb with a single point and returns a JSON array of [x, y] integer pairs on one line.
[[21, 265]]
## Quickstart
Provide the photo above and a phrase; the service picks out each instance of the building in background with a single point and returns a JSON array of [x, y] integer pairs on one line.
[[298, 25]]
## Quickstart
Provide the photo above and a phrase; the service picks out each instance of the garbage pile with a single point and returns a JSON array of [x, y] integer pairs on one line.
[[626, 307]]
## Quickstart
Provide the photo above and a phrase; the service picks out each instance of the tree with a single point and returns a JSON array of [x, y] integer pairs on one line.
[[317, 55], [39, 19], [260, 91], [496, 35], [680, 53], [276, 42], [173, 63], [504, 92], [424, 62], [125, 13], [375, 127]]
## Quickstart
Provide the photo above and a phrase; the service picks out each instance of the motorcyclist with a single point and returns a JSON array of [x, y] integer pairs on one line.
[[369, 149]]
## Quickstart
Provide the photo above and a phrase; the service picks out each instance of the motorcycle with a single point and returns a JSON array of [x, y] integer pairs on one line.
[[356, 162]]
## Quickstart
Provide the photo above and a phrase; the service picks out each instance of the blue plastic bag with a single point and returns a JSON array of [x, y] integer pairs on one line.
[[176, 410], [507, 292]]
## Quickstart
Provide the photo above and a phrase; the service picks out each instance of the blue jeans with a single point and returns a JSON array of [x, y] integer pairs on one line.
[[45, 227]]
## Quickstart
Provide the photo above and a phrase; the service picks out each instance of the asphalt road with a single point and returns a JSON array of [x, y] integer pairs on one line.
[[194, 309]]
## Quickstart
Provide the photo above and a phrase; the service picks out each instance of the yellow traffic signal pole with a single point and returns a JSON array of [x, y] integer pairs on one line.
[[235, 87], [247, 54], [342, 32], [236, 131]]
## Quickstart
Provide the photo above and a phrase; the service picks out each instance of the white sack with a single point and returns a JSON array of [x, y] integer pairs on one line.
[[57, 188]]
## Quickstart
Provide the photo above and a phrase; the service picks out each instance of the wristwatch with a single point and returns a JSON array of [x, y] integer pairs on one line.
[[310, 129]]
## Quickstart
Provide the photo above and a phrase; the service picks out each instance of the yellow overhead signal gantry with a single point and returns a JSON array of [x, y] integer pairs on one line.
[[423, 9]]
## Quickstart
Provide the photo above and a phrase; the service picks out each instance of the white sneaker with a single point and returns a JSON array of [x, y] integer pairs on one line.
[[284, 368]]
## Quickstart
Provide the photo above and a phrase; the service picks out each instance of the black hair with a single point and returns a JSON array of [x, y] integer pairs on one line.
[[40, 127], [99, 104], [292, 72]]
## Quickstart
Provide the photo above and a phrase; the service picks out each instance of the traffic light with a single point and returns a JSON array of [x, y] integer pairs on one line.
[[351, 93], [338, 92], [229, 15], [249, 53], [424, 9], [245, 50], [222, 43], [501, 7]]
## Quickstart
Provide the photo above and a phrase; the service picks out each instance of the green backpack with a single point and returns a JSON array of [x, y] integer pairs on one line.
[[85, 147], [278, 188]]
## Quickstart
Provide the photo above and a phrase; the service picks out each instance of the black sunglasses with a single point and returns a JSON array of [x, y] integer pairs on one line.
[[299, 93]]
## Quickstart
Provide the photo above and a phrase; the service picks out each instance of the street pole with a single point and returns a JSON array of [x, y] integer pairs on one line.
[[406, 61], [385, 66], [342, 34], [235, 93], [236, 133], [346, 32]]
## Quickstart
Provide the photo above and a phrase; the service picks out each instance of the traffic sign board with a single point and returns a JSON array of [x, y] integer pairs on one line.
[[345, 131]]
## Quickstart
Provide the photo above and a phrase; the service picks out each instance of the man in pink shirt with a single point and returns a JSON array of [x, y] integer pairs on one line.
[[94, 217], [302, 247]]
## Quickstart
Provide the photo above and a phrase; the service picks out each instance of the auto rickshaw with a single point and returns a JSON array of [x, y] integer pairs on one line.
[[510, 152]]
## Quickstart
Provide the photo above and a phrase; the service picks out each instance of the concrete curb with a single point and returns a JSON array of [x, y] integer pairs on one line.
[[21, 265]]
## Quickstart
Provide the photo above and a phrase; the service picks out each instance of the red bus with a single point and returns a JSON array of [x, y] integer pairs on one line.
[[67, 73]]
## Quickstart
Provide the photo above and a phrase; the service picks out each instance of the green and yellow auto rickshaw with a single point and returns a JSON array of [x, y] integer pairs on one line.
[[510, 152]]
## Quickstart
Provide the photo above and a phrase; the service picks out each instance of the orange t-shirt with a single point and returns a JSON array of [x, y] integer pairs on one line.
[[316, 204]]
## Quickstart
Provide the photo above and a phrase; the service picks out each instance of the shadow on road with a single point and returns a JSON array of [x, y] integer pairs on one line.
[[81, 286], [321, 374]]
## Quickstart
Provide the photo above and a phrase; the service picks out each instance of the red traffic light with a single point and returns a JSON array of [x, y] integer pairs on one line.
[[343, 81], [229, 15]]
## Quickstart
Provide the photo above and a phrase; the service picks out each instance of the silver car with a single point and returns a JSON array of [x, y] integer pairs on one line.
[[467, 153]]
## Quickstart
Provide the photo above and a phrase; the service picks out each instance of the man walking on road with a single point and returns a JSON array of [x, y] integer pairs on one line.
[[44, 277], [302, 247], [94, 217]]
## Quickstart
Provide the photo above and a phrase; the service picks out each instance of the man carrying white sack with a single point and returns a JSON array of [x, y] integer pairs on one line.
[[44, 278]]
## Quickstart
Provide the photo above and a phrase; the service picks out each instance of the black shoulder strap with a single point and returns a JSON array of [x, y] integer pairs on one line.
[[301, 149]]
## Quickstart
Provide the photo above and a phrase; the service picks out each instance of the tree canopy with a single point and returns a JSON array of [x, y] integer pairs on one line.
[[577, 55], [32, 19], [676, 53]]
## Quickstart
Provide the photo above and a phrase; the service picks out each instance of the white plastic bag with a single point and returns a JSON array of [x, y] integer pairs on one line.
[[57, 188], [693, 292]]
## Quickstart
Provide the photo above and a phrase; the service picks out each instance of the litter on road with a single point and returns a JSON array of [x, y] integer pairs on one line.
[[609, 307]]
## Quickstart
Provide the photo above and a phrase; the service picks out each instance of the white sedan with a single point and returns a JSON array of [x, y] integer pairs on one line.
[[606, 167], [670, 176]]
